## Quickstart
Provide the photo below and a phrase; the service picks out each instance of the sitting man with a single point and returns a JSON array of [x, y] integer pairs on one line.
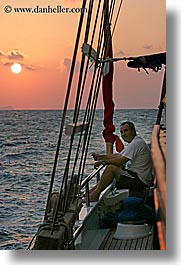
[[136, 159]]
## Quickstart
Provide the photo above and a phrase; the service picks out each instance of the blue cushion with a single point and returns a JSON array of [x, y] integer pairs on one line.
[[134, 209]]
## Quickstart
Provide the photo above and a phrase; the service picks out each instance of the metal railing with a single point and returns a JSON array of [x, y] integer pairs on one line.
[[85, 182]]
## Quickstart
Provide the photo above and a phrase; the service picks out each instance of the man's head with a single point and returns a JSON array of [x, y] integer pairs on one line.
[[128, 131]]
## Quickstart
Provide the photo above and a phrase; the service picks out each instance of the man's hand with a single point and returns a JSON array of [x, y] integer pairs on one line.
[[97, 164], [96, 156]]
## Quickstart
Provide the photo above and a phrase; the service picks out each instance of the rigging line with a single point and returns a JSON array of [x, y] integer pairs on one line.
[[66, 102], [79, 90], [76, 113], [88, 115], [65, 177], [79, 98], [88, 134], [101, 33], [83, 85], [106, 43], [82, 144], [89, 101], [108, 36], [107, 40], [86, 143], [76, 108], [111, 10], [84, 153], [93, 34], [93, 106], [85, 74], [92, 113], [74, 166], [120, 5], [88, 107], [94, 103], [109, 23], [67, 168], [101, 36]]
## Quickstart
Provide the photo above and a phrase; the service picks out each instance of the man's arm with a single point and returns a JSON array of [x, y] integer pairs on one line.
[[118, 161], [98, 157]]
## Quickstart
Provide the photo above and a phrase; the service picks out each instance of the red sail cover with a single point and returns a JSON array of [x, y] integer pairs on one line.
[[107, 85]]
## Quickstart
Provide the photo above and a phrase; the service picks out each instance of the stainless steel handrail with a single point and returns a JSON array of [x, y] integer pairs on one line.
[[91, 175], [85, 183]]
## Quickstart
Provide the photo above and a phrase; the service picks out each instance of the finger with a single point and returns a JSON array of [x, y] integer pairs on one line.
[[94, 156], [96, 165]]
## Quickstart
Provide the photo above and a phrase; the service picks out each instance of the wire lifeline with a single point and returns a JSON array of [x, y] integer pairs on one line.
[[91, 45], [92, 85], [87, 111], [80, 140], [77, 101], [92, 106], [85, 137], [66, 104], [96, 93], [65, 177], [77, 107], [94, 102], [120, 5]]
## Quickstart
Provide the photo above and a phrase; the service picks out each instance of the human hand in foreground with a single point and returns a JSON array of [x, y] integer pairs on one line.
[[97, 164], [96, 156]]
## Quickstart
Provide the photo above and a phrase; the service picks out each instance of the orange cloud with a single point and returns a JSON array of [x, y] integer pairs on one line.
[[66, 64], [16, 56]]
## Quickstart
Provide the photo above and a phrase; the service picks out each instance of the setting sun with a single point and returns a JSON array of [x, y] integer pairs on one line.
[[16, 68]]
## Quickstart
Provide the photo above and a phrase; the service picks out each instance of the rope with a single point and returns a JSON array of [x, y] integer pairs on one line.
[[120, 5], [87, 135], [79, 99], [89, 114], [65, 177], [66, 102], [87, 111], [111, 10], [90, 107]]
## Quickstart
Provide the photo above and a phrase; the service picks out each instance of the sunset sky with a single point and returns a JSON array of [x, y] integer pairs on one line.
[[43, 45]]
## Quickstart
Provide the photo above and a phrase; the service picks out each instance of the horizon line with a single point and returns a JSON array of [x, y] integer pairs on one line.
[[45, 109]]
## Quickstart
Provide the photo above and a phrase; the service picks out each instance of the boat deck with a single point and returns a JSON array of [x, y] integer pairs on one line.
[[111, 243], [94, 238]]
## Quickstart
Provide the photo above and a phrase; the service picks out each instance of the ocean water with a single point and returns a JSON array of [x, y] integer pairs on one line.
[[28, 142]]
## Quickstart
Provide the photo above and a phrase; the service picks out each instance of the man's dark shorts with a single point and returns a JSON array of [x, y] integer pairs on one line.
[[129, 180]]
